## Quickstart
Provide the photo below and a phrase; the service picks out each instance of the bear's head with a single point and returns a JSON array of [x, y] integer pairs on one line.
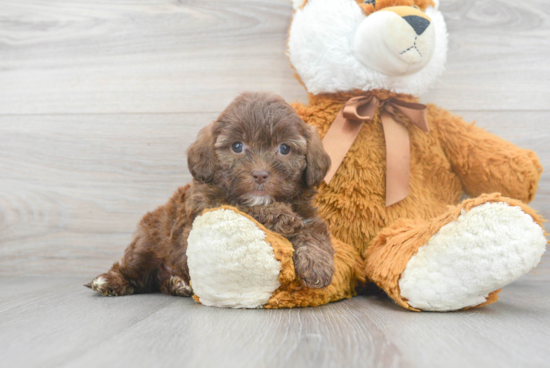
[[347, 45]]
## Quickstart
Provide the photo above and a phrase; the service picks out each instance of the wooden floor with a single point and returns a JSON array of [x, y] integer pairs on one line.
[[55, 322], [99, 100]]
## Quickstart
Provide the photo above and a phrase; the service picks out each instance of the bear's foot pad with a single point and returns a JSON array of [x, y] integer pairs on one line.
[[231, 263], [485, 249]]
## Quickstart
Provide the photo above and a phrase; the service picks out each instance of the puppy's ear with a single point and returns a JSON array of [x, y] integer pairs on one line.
[[201, 155], [318, 161]]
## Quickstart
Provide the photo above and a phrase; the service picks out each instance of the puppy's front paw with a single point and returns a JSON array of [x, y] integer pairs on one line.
[[287, 224], [278, 217], [109, 284], [314, 266]]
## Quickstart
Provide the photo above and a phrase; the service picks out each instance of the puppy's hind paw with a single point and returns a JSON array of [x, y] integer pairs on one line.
[[179, 287], [109, 285]]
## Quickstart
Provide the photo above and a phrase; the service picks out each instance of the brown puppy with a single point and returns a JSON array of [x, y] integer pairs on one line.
[[258, 156]]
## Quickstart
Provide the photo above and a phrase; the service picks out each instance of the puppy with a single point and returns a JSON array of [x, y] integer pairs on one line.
[[258, 156]]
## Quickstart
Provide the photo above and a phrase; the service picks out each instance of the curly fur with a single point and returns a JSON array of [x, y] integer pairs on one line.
[[156, 259]]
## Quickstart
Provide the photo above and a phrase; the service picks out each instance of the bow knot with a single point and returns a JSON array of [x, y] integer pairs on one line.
[[361, 109]]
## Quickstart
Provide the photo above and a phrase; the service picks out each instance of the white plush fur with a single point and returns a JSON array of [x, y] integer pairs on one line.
[[230, 263], [385, 42], [320, 49], [485, 249]]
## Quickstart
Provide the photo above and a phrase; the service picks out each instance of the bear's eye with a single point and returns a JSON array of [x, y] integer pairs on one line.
[[373, 2], [237, 147], [284, 149]]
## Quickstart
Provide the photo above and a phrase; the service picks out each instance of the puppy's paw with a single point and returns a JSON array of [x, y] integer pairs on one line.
[[314, 266], [109, 284], [287, 224], [278, 217], [179, 287]]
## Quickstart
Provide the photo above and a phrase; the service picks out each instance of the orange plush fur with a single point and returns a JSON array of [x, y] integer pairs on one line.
[[381, 4], [443, 169], [292, 293]]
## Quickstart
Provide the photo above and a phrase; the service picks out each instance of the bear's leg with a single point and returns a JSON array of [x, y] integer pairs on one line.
[[460, 259], [234, 261], [231, 263]]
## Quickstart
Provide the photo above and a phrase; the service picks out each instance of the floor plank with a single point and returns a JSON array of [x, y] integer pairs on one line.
[[140, 56], [73, 187], [191, 56], [63, 321], [496, 56], [67, 325]]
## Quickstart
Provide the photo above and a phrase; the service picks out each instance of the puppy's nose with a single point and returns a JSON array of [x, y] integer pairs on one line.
[[419, 24], [260, 176]]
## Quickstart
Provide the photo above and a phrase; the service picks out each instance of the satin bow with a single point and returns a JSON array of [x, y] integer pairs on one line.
[[348, 123]]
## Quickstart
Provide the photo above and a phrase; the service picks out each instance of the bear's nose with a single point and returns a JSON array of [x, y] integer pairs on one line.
[[419, 24], [260, 176]]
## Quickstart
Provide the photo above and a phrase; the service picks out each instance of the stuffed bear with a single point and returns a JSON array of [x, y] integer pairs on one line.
[[394, 197]]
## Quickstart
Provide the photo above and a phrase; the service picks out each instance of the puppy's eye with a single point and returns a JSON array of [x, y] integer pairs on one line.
[[416, 7], [284, 149], [373, 2], [237, 147]]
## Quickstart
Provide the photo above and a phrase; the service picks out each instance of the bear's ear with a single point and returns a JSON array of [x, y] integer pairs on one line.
[[201, 156], [297, 4]]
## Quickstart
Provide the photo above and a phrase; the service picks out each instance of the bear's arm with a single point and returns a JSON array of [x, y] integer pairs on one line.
[[484, 162]]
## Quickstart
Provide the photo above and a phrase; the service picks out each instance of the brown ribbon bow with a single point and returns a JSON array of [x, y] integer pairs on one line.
[[348, 123]]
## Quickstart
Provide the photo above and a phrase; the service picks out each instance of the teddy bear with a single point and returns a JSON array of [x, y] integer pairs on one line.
[[426, 206]]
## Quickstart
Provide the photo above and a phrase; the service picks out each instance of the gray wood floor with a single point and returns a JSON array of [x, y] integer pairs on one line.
[[55, 322], [99, 100]]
